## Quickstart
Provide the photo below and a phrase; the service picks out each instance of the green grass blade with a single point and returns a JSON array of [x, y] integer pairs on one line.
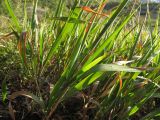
[[67, 29], [108, 40], [88, 81], [75, 54], [95, 62], [111, 20], [135, 43], [4, 90], [136, 107], [14, 18], [34, 20], [41, 40], [90, 77]]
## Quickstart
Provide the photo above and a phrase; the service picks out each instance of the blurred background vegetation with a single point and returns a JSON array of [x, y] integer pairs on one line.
[[47, 8]]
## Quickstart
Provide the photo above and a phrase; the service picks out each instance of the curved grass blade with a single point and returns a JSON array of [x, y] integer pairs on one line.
[[29, 95], [14, 18]]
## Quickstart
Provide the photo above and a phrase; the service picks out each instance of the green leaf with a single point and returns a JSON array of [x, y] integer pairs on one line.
[[92, 64], [108, 40], [134, 110], [14, 18], [135, 43], [113, 67], [89, 77], [87, 81], [4, 90], [67, 29], [41, 40]]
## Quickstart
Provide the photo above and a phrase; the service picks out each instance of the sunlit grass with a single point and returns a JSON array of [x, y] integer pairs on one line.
[[116, 56]]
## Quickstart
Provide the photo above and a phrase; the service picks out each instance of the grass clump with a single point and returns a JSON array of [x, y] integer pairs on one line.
[[106, 62]]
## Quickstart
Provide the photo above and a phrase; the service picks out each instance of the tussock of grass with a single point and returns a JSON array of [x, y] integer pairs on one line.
[[114, 57]]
